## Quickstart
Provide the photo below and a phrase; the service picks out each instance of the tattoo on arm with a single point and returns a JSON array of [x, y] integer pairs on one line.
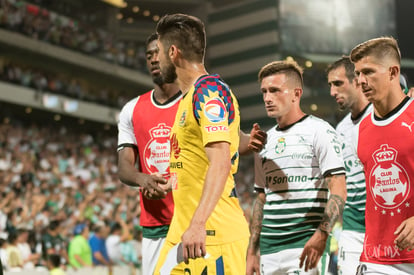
[[333, 211], [256, 223]]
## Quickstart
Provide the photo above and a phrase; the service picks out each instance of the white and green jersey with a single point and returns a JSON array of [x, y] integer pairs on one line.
[[290, 169], [354, 212]]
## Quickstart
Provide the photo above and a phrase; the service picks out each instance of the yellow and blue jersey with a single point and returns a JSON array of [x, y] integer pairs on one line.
[[208, 113]]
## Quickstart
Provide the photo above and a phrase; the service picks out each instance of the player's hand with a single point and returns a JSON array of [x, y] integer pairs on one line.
[[252, 263], [151, 186], [405, 235], [257, 139], [167, 187], [313, 250], [194, 242]]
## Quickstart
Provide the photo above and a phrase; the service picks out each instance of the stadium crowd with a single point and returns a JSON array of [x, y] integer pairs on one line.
[[61, 84], [48, 26], [56, 182]]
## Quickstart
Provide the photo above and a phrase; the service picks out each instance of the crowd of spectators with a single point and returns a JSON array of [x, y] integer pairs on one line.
[[61, 84], [60, 195], [51, 183], [44, 25]]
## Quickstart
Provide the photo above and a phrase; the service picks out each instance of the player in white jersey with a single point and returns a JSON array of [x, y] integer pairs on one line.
[[348, 94], [300, 181]]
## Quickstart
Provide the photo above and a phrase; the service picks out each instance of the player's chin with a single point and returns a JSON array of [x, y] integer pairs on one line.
[[271, 114]]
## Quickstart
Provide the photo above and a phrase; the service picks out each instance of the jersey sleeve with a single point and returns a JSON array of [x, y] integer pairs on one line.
[[259, 176], [328, 150], [126, 136], [213, 108]]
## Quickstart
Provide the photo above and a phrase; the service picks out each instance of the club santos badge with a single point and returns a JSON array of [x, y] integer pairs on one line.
[[389, 182], [280, 146], [157, 150]]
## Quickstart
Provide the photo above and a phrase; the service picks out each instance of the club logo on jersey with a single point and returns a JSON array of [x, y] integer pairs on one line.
[[280, 146], [389, 182], [175, 149], [157, 150], [215, 110], [181, 123]]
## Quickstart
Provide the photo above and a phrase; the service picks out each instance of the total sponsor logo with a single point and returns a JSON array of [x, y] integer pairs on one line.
[[217, 128], [215, 110]]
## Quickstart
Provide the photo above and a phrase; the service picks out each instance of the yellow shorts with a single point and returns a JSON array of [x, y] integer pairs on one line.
[[223, 259]]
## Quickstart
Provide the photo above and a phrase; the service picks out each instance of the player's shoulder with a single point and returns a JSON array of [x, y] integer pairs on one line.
[[210, 83], [130, 105], [344, 123], [316, 122], [271, 131]]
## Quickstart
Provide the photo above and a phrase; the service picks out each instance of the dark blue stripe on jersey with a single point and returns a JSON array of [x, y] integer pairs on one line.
[[220, 266], [235, 156], [233, 193], [202, 89]]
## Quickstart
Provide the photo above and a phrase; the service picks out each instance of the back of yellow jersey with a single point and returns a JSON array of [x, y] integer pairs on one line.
[[209, 112]]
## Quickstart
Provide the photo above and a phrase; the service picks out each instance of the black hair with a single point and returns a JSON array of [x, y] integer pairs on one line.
[[54, 259]]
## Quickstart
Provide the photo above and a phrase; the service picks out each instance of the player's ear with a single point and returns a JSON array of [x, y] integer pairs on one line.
[[298, 93], [173, 52], [394, 72]]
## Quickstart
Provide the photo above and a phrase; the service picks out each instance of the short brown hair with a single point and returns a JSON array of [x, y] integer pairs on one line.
[[381, 47], [186, 32], [290, 68], [345, 62]]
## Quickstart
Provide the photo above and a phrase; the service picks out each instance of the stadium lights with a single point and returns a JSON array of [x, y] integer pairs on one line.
[[116, 3], [308, 64]]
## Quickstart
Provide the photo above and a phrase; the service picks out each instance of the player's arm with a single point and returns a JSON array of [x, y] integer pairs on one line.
[[128, 155], [253, 259], [314, 248], [336, 203], [194, 238], [129, 174]]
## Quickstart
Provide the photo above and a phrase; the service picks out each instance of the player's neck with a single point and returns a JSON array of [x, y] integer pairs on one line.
[[384, 106], [165, 92], [188, 75], [289, 119], [359, 106]]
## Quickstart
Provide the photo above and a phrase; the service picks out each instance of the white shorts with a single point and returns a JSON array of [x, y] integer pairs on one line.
[[287, 262], [150, 252], [350, 244], [383, 269]]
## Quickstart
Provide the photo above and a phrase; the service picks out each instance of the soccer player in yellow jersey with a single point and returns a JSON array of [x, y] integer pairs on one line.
[[208, 220]]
